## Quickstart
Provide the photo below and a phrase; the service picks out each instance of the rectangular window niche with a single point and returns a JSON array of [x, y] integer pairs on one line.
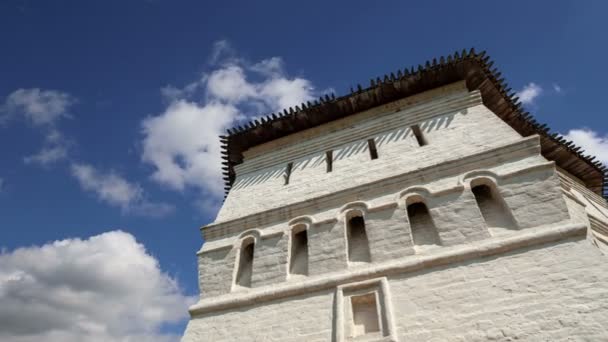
[[363, 312]]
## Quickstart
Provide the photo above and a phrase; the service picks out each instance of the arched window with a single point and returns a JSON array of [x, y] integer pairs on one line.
[[298, 262], [245, 263], [493, 209], [358, 244], [423, 229]]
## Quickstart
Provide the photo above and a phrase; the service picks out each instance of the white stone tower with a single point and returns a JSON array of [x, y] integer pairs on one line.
[[426, 207]]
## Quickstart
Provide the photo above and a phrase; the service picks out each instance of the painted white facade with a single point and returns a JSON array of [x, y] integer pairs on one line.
[[472, 236]]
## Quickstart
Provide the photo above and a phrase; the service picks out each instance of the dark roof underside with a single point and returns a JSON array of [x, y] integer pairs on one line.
[[474, 68]]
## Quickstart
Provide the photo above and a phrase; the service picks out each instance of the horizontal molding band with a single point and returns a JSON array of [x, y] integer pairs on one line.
[[525, 147], [398, 201], [444, 256]]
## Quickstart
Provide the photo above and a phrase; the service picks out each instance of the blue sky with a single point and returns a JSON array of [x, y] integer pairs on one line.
[[109, 113]]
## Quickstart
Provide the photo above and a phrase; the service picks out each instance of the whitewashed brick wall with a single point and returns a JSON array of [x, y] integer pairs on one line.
[[553, 292], [526, 290]]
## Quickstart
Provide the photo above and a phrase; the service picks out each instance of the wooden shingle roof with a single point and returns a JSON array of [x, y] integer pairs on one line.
[[476, 69]]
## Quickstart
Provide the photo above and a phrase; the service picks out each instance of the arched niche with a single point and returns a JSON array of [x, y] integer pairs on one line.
[[423, 229], [245, 257], [356, 235], [494, 210], [298, 249]]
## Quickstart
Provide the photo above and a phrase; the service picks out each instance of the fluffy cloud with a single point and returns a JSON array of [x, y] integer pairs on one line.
[[40, 107], [181, 143], [105, 288], [592, 142], [117, 191], [529, 93], [229, 85]]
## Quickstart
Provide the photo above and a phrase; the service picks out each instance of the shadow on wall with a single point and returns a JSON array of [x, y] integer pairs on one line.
[[344, 151], [259, 177]]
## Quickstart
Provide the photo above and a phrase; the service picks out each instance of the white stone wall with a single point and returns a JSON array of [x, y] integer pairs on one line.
[[523, 184], [299, 318], [541, 279], [455, 125], [552, 292]]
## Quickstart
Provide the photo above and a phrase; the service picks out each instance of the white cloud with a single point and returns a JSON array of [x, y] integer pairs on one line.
[[182, 143], [109, 187], [592, 142], [229, 84], [105, 288], [222, 51], [40, 107], [43, 108], [529, 93], [117, 191], [279, 93], [269, 67], [47, 155], [55, 148]]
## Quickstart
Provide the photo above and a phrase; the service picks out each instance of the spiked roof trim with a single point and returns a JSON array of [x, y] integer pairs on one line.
[[474, 68]]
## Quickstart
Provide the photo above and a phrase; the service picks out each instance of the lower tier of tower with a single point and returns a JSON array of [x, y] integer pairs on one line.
[[549, 285]]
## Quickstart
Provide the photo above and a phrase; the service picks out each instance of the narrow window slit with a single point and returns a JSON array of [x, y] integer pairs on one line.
[[288, 172], [424, 232], [371, 144], [329, 159], [299, 252], [419, 136], [245, 267], [358, 243]]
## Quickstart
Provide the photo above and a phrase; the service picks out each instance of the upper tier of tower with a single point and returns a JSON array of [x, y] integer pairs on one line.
[[475, 69], [403, 137]]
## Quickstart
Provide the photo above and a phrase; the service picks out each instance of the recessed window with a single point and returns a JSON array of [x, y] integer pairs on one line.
[[299, 251], [365, 314], [421, 224], [493, 209], [329, 160], [371, 144], [288, 172], [419, 136], [358, 244], [245, 267]]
